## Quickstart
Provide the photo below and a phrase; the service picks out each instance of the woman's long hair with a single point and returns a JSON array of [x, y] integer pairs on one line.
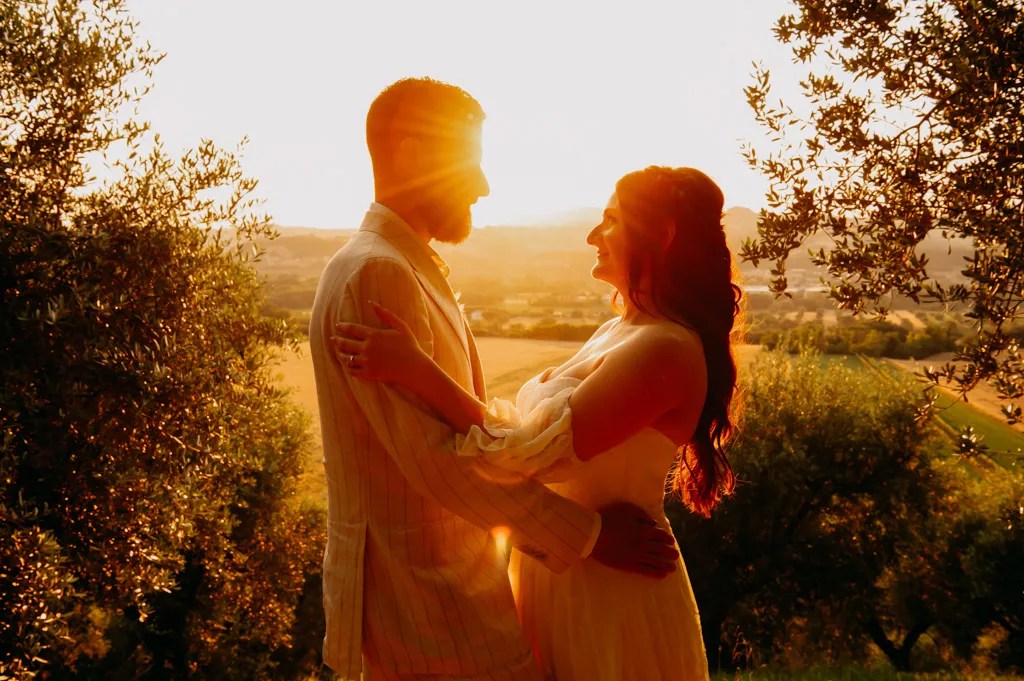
[[690, 282]]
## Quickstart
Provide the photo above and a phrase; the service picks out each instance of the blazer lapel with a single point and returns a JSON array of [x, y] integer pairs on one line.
[[479, 386], [441, 293], [426, 265]]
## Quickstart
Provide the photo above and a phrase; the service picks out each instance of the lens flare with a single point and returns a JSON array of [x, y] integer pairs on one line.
[[501, 535]]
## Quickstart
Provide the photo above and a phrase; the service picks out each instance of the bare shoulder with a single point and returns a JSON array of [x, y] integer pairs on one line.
[[660, 354], [668, 344]]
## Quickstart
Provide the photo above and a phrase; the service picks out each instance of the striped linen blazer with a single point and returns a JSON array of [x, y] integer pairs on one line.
[[413, 578]]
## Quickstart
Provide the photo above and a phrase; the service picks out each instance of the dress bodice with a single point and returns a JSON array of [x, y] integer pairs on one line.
[[634, 470], [591, 622], [533, 438]]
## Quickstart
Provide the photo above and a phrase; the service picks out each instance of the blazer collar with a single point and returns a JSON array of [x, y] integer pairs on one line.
[[382, 220], [430, 269]]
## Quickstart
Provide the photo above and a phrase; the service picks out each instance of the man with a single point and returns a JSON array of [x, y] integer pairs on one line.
[[413, 579]]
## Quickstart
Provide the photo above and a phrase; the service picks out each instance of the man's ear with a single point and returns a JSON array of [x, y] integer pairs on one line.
[[409, 155]]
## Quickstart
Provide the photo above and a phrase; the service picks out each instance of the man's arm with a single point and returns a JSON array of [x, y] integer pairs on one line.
[[549, 527]]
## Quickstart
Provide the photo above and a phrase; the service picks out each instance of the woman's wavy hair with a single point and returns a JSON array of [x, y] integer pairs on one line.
[[689, 281]]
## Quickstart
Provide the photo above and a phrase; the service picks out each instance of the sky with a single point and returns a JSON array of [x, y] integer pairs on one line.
[[577, 93]]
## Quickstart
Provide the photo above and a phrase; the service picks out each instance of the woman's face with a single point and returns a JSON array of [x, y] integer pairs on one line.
[[612, 243]]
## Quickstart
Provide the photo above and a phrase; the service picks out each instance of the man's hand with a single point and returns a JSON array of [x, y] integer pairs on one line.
[[631, 541]]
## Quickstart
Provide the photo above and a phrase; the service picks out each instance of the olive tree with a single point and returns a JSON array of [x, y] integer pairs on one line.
[[910, 128], [149, 516], [851, 533]]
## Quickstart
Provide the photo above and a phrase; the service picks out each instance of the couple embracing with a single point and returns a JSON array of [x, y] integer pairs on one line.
[[424, 476]]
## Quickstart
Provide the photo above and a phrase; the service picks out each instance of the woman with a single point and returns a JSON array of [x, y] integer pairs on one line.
[[650, 393]]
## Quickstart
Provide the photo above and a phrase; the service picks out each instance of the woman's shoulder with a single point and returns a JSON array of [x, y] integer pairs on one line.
[[664, 336], [668, 349]]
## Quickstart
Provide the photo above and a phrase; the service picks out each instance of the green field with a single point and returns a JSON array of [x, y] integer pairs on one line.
[[994, 433], [1005, 443]]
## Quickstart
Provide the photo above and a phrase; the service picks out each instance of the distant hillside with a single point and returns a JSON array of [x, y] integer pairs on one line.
[[557, 252], [528, 257]]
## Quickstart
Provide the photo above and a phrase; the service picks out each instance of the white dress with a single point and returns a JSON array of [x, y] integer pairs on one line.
[[592, 623]]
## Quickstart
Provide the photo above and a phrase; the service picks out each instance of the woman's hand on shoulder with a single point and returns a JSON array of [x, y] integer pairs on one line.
[[389, 354]]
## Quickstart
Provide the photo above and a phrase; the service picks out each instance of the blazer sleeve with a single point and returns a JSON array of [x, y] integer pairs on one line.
[[542, 524]]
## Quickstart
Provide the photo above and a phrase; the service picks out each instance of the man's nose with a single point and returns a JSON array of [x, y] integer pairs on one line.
[[592, 237]]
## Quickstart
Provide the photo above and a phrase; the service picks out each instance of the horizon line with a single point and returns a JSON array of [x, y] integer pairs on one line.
[[556, 219]]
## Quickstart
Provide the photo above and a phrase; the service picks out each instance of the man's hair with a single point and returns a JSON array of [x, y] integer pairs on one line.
[[418, 107]]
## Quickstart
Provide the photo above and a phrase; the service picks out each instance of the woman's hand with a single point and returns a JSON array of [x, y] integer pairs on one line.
[[390, 354]]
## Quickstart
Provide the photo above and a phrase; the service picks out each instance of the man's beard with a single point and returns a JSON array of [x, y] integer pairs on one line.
[[452, 228]]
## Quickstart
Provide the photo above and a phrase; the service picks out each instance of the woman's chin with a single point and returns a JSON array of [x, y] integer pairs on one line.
[[600, 272]]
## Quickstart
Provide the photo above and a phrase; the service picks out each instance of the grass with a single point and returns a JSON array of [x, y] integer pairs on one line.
[[1005, 444], [994, 434]]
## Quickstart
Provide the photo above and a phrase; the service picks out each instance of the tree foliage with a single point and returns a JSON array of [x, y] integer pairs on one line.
[[851, 534], [148, 463], [912, 127], [873, 339]]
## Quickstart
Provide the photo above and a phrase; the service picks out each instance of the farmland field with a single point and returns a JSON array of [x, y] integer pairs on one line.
[[983, 397], [981, 412]]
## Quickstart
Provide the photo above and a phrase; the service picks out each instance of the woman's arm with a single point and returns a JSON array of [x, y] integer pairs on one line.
[[655, 372], [394, 356], [454, 404]]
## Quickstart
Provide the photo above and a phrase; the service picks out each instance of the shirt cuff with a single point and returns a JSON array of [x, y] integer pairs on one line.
[[588, 548]]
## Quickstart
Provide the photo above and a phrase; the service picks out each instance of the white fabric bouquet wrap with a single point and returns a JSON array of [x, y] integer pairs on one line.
[[512, 446]]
